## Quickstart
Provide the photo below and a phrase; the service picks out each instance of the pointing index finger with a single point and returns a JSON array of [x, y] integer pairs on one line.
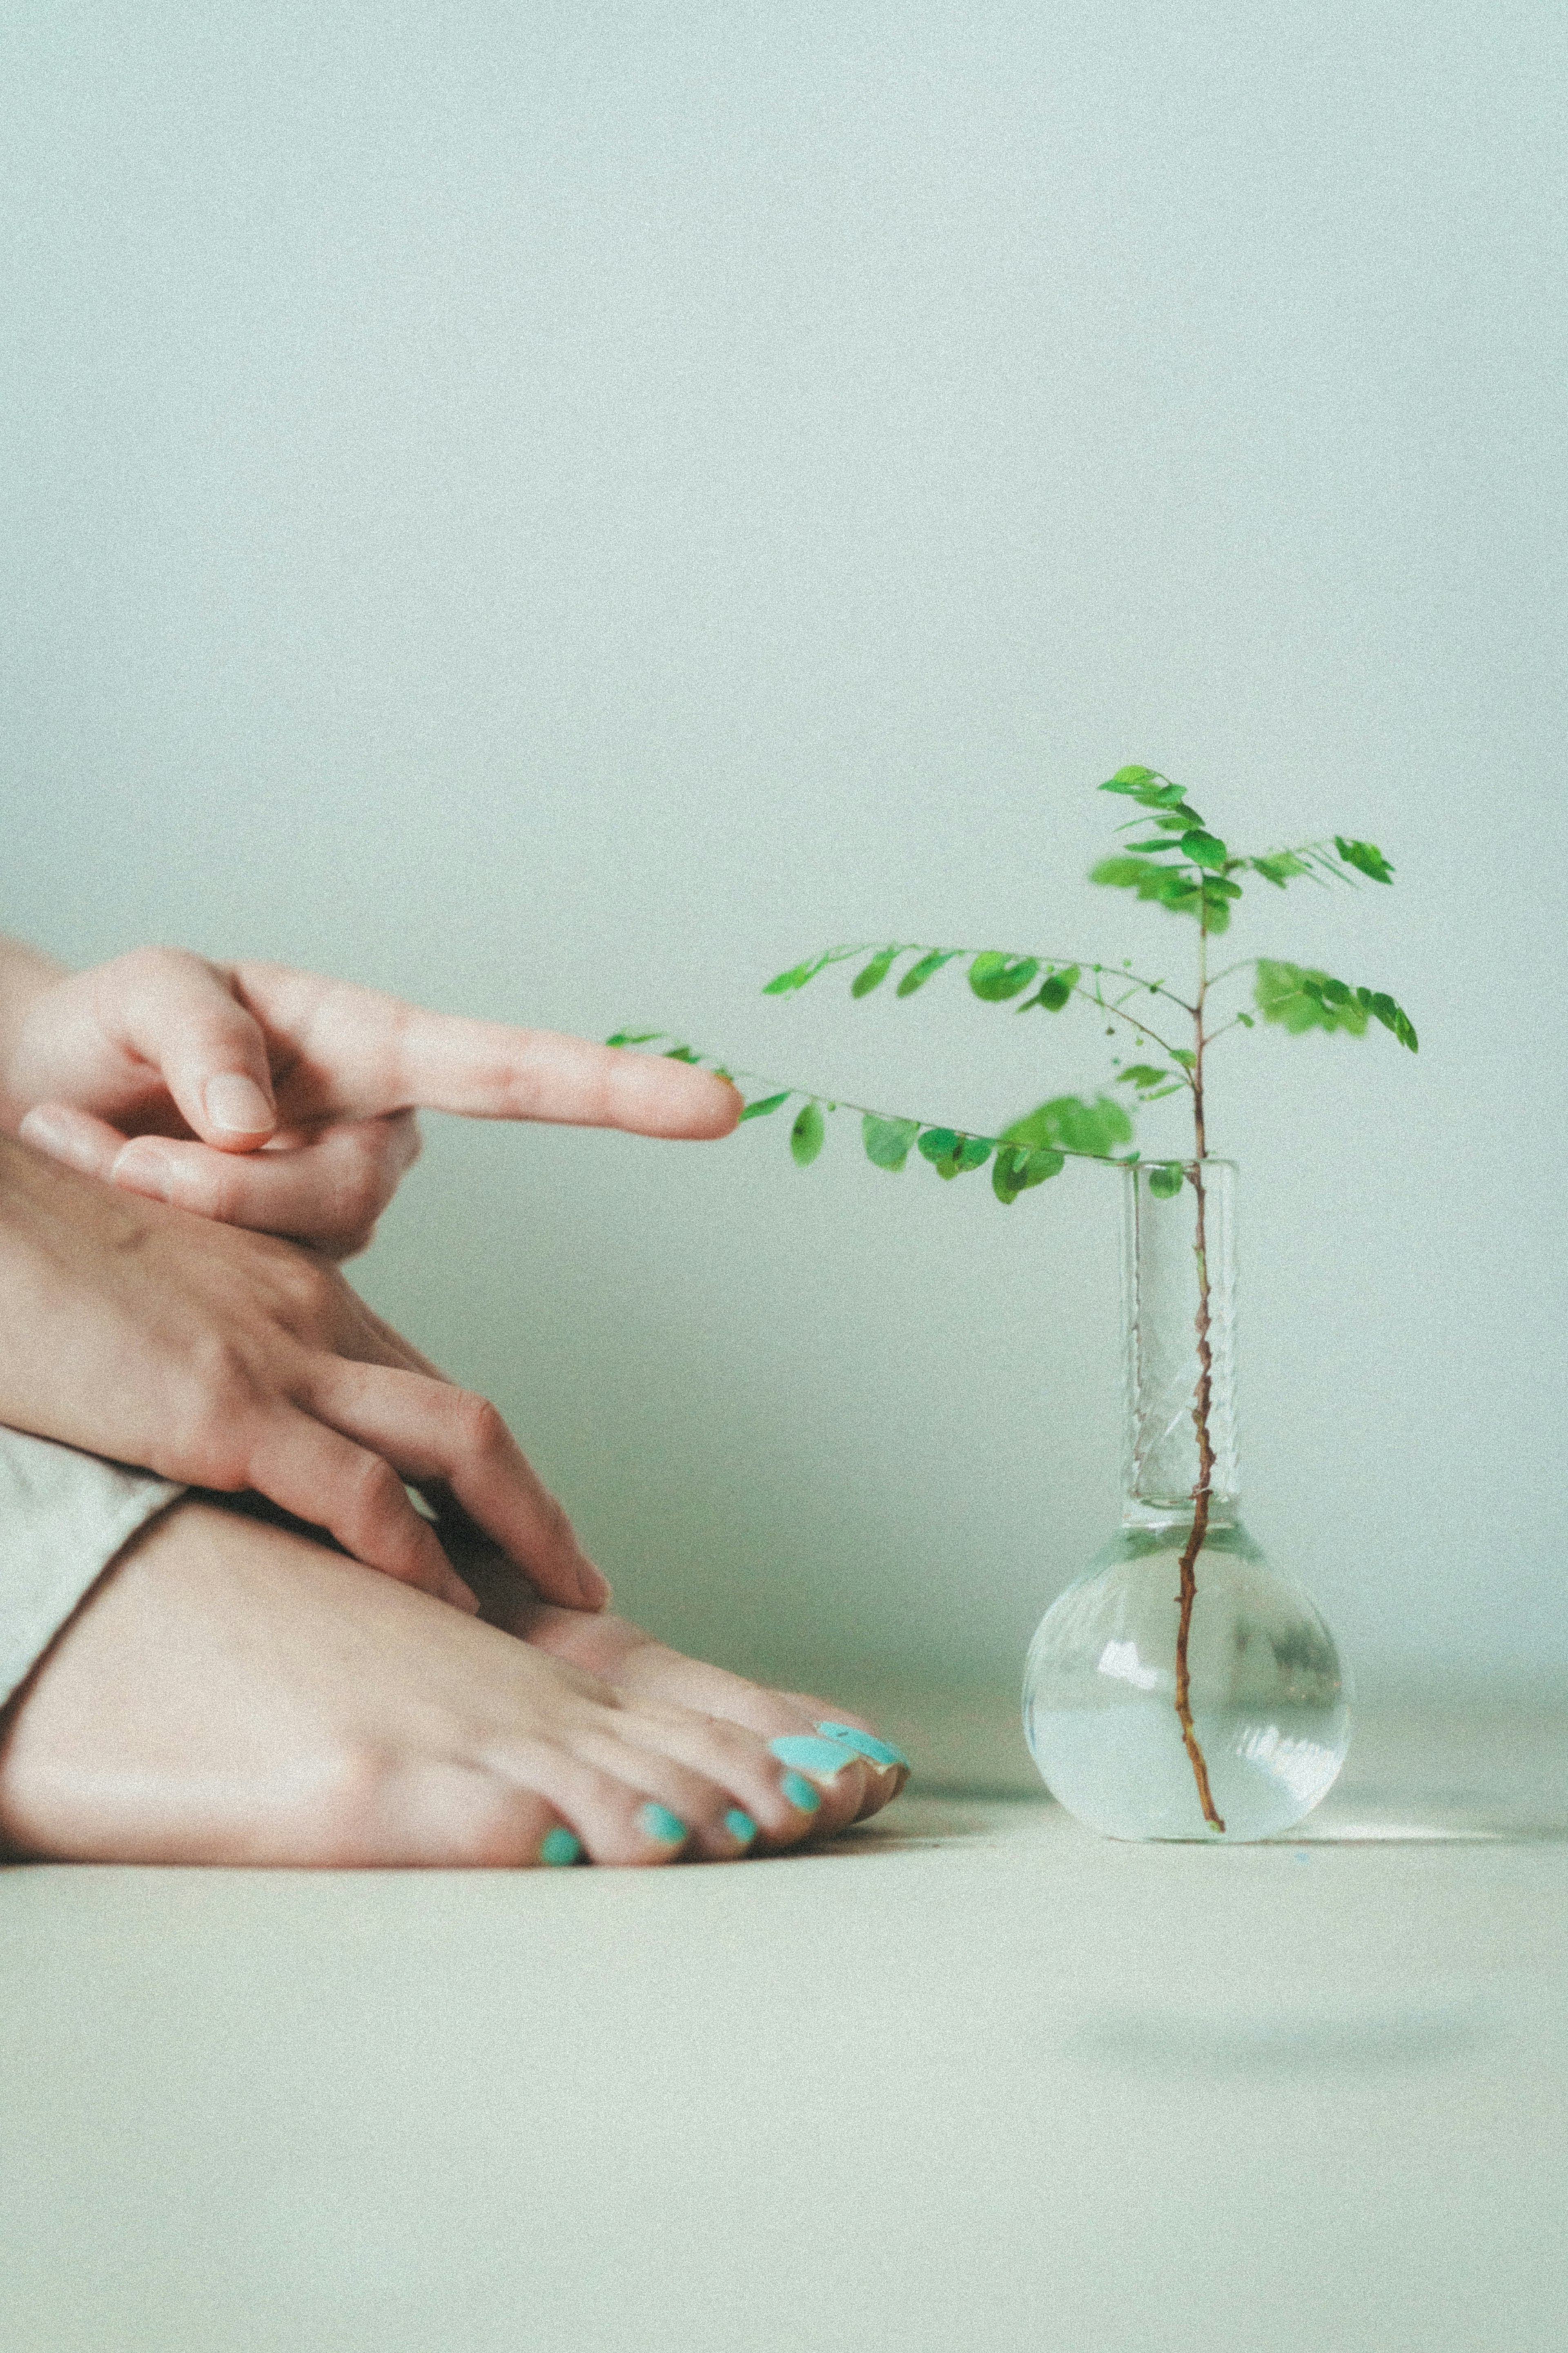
[[487, 1070]]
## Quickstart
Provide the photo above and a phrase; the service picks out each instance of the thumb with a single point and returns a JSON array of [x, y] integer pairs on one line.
[[180, 1014]]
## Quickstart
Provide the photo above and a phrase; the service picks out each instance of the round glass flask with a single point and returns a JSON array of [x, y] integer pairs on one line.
[[1184, 1687]]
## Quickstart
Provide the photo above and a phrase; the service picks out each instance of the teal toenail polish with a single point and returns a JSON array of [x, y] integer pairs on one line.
[[559, 1846], [821, 1756], [800, 1793], [661, 1824], [866, 1744], [740, 1826]]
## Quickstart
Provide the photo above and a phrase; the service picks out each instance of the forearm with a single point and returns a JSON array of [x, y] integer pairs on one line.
[[24, 974]]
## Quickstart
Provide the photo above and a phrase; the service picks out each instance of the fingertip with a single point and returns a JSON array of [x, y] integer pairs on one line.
[[674, 1099], [239, 1113], [593, 1586], [69, 1135], [732, 1103]]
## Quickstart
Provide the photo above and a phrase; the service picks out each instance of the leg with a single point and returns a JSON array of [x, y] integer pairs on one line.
[[232, 1692]]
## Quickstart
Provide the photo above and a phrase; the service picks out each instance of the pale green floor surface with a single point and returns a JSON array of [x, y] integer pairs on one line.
[[974, 2079]]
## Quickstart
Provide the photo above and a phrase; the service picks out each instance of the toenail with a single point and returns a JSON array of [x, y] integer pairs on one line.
[[800, 1793], [661, 1824], [865, 1744], [741, 1827], [822, 1757], [559, 1846]]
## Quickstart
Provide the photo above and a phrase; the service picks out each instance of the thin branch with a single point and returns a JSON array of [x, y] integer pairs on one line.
[[1242, 964], [1117, 1014], [771, 1085], [1015, 956]]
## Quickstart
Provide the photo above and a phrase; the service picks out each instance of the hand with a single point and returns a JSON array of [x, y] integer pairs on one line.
[[284, 1102], [231, 1361]]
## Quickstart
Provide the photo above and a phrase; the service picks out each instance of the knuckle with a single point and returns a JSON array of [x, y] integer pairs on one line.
[[481, 1424], [305, 1282], [364, 1190], [156, 963], [210, 1421], [378, 1493]]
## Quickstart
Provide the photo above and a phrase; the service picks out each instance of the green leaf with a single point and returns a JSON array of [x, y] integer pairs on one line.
[[888, 1141], [918, 973], [633, 1037], [1165, 1179], [1185, 1056], [1140, 848], [1127, 780], [871, 976], [784, 983], [1365, 857], [682, 1054], [805, 1137], [1247, 1021], [1067, 1124], [1172, 887], [1142, 1074], [1392, 1016], [969, 1152], [938, 1143], [1295, 996], [1017, 1170], [763, 1104], [1055, 991], [1009, 1163], [1203, 848], [1280, 867], [995, 978]]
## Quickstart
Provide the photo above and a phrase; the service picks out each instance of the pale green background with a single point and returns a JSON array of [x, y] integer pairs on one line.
[[559, 510]]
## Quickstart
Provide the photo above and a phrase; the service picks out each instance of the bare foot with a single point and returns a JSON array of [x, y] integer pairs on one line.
[[855, 1771], [853, 1781], [231, 1693]]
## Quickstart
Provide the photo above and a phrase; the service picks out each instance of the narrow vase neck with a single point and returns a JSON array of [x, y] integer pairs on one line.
[[1179, 1305]]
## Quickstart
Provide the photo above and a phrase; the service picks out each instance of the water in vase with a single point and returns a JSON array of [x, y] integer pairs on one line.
[[1184, 1686]]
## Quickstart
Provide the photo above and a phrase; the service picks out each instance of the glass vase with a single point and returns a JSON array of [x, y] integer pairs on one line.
[[1184, 1687]]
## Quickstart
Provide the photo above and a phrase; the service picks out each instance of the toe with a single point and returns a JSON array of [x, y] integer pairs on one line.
[[887, 1767], [737, 1772]]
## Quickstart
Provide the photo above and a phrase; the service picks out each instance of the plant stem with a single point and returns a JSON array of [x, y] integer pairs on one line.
[[1188, 1592]]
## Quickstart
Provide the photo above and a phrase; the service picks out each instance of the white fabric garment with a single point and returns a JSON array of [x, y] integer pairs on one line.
[[63, 1517]]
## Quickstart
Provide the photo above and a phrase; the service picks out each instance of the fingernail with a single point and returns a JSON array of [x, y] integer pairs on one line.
[[594, 1588], [866, 1744], [741, 1827], [237, 1105], [59, 1138], [800, 1793], [823, 1757], [559, 1846], [140, 1167], [661, 1824]]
